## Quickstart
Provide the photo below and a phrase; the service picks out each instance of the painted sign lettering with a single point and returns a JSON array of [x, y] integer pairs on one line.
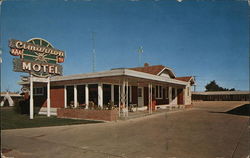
[[37, 57]]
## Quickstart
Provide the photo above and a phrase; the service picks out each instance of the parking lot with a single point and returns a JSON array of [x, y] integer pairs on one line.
[[207, 130]]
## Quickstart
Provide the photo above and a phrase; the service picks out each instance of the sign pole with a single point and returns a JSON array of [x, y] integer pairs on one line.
[[48, 97], [31, 98]]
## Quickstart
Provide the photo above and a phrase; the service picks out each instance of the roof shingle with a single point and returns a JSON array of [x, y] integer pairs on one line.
[[186, 78], [154, 70]]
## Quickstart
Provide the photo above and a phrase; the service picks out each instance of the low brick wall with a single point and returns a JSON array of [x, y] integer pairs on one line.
[[106, 115]]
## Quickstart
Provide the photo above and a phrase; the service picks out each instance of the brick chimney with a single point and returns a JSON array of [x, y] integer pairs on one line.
[[146, 64]]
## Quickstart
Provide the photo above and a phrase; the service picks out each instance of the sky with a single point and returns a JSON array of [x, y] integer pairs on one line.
[[207, 39]]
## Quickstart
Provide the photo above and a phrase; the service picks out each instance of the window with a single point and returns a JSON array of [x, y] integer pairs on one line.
[[38, 91], [159, 92], [188, 91]]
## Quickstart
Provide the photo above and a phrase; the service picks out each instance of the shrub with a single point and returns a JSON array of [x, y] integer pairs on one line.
[[21, 106], [111, 105], [91, 105], [96, 107], [17, 107]]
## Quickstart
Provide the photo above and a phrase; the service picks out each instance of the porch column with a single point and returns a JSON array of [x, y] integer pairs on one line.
[[48, 97], [175, 94], [170, 94], [122, 93], [150, 98], [127, 103], [185, 95], [112, 93], [119, 103], [31, 98], [100, 95], [123, 99], [87, 96], [75, 96], [65, 96]]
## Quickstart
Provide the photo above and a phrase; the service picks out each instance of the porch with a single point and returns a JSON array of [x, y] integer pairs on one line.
[[126, 94]]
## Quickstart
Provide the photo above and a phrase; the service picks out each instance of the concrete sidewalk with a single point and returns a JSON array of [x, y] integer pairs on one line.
[[145, 113], [202, 132]]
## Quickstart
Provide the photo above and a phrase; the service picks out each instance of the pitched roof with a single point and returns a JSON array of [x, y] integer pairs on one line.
[[186, 78], [154, 70]]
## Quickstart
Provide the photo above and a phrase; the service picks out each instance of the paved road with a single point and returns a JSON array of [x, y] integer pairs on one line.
[[201, 132]]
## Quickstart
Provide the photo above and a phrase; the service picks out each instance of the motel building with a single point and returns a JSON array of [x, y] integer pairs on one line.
[[140, 88]]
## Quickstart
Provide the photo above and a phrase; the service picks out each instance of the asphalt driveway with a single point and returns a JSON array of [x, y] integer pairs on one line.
[[205, 131]]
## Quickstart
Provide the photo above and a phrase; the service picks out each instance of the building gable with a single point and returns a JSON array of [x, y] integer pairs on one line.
[[158, 70], [167, 72], [186, 79]]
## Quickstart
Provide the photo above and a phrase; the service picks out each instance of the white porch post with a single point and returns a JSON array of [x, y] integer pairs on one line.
[[48, 97], [123, 97], [151, 91], [149, 97], [87, 96], [112, 93], [119, 104], [185, 93], [75, 96], [175, 94], [65, 96], [170, 94], [100, 95], [31, 98], [150, 103], [127, 103]]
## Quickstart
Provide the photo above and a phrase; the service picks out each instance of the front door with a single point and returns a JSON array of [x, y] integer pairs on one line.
[[140, 97], [180, 98]]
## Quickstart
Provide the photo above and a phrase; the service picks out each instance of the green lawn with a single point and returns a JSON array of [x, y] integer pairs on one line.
[[12, 120]]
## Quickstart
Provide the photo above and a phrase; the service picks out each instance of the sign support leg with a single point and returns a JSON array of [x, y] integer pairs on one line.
[[48, 97], [31, 98]]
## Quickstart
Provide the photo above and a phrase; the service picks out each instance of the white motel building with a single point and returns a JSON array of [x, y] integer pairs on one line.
[[138, 87]]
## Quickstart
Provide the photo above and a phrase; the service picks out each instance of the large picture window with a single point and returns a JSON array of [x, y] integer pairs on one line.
[[159, 92]]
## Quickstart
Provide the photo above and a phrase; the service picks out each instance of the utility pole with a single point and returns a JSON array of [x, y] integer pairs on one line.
[[1, 50], [93, 52]]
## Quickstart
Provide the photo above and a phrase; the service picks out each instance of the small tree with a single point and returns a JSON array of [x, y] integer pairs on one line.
[[213, 86]]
